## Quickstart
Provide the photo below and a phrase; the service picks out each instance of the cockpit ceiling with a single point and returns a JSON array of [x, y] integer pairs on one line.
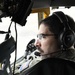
[[48, 3]]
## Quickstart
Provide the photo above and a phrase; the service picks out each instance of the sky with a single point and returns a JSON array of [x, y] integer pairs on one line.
[[70, 11], [25, 33]]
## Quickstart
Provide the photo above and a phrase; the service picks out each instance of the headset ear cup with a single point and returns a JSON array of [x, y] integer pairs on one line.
[[67, 38], [67, 35]]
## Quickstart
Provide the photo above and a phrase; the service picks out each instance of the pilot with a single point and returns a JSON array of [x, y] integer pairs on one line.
[[55, 38], [55, 41]]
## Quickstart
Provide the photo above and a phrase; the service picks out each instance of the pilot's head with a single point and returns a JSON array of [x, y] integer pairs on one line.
[[55, 33]]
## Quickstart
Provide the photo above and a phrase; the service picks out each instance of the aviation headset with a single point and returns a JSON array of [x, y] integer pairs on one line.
[[67, 36]]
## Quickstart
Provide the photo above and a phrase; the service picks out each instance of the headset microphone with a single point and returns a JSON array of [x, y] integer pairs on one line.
[[37, 54]]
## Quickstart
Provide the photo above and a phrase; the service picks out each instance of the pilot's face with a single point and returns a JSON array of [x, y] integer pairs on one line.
[[46, 41]]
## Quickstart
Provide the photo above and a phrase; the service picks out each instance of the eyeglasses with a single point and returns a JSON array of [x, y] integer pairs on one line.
[[40, 36]]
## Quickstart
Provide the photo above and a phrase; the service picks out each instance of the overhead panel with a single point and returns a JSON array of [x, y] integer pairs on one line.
[[50, 3]]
